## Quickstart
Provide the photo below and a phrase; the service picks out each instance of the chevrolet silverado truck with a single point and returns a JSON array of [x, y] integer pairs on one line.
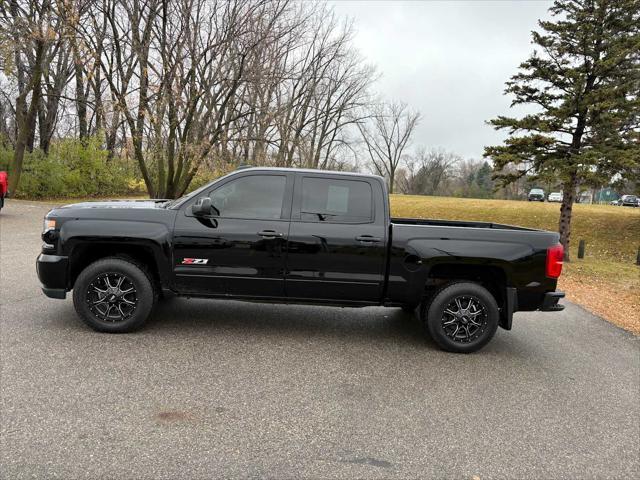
[[297, 236]]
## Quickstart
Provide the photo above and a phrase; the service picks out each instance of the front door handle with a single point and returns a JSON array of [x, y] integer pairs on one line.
[[368, 239], [270, 234]]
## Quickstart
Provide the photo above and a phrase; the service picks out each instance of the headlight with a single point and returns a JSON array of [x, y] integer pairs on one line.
[[49, 233], [49, 224]]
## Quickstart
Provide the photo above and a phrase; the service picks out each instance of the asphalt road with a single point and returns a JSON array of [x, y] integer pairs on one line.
[[229, 389]]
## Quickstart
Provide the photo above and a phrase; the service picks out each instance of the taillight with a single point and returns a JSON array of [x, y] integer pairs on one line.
[[555, 256]]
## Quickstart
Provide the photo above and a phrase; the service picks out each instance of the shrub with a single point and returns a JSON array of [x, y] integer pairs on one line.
[[74, 169]]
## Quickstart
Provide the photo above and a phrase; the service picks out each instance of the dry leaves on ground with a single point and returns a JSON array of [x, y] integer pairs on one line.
[[617, 303]]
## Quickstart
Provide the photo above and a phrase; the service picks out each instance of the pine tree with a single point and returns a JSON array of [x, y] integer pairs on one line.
[[583, 80], [483, 179]]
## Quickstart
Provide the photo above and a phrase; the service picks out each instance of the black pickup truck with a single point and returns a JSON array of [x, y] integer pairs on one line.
[[296, 236]]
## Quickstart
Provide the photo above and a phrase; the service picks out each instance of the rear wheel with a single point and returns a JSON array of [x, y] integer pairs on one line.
[[461, 317], [114, 295]]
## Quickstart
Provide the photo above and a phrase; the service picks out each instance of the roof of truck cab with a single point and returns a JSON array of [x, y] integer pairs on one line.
[[306, 170], [178, 203]]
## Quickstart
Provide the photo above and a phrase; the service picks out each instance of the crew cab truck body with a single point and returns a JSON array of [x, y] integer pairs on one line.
[[296, 236]]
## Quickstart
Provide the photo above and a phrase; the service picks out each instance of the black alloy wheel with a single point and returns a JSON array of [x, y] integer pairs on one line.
[[460, 317], [112, 297], [464, 319], [115, 295]]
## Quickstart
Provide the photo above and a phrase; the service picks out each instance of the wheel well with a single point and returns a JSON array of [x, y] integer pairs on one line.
[[493, 279], [84, 255]]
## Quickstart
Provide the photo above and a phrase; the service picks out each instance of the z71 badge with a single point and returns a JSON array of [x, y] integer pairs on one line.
[[194, 261]]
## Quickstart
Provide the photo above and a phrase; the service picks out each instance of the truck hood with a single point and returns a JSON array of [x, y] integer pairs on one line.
[[153, 203]]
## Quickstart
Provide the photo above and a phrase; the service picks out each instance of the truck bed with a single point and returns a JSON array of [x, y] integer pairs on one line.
[[456, 223]]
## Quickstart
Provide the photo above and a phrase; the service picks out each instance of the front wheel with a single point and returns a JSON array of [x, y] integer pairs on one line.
[[461, 317], [114, 295]]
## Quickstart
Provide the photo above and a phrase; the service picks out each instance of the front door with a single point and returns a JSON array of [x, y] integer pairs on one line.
[[241, 250]]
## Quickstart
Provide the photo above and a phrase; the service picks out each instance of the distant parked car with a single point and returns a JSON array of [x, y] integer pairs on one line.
[[555, 197], [536, 195], [628, 201]]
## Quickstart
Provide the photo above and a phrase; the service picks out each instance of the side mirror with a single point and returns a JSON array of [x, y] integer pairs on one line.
[[202, 207]]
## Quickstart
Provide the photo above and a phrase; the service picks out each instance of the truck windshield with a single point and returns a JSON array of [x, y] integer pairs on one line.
[[179, 201]]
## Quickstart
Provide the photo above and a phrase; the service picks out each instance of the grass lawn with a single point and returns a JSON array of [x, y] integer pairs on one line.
[[606, 282]]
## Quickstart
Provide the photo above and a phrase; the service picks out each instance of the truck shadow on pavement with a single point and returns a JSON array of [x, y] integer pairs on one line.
[[372, 325], [369, 324], [224, 319]]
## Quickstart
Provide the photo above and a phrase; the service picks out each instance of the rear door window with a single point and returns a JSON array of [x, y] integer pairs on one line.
[[336, 201]]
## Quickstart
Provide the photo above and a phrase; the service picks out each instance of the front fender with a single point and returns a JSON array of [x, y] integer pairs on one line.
[[112, 234]]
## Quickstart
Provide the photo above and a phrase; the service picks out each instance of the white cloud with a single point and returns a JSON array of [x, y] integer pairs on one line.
[[447, 59]]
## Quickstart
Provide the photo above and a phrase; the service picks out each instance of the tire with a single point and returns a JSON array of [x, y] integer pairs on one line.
[[476, 301], [108, 304]]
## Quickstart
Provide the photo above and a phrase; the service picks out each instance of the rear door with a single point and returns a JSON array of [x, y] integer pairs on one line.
[[336, 250], [241, 251]]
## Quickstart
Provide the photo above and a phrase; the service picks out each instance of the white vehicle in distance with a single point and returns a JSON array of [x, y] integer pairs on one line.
[[628, 201], [555, 197]]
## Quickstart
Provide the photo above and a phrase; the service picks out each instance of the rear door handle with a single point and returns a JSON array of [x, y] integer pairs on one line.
[[368, 239], [270, 234]]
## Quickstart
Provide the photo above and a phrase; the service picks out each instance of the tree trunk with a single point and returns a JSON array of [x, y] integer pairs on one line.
[[31, 128], [568, 199], [25, 123], [25, 132], [47, 118], [111, 135], [81, 100], [42, 125]]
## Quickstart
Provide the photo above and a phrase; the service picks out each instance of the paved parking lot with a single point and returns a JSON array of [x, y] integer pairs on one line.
[[229, 389]]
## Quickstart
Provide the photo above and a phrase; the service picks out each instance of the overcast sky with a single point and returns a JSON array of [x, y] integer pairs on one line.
[[448, 59]]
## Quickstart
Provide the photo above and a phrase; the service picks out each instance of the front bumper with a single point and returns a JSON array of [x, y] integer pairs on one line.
[[550, 302], [53, 272]]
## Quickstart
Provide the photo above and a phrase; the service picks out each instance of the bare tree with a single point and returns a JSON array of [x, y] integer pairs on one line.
[[55, 78], [428, 172], [30, 27], [180, 85], [386, 135]]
